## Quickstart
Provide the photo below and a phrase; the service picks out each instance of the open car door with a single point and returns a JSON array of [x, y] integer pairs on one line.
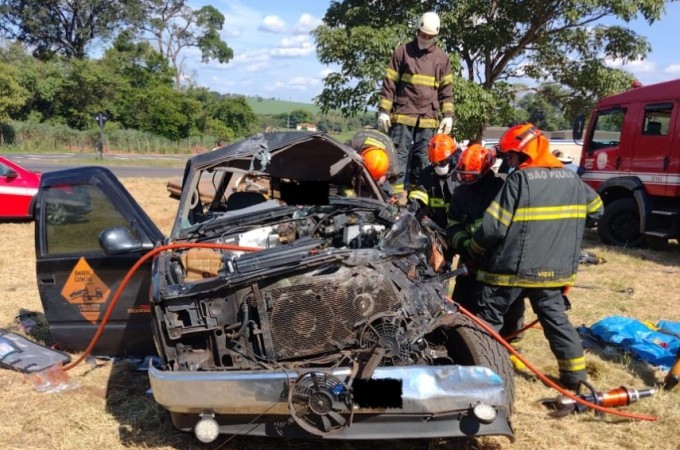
[[76, 278]]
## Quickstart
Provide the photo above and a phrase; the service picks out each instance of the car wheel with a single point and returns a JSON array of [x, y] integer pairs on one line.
[[620, 224], [469, 345], [56, 213]]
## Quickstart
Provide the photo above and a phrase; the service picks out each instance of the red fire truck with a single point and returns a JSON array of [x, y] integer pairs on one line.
[[631, 156]]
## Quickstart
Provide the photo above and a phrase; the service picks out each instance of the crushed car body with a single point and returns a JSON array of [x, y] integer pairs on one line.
[[335, 326]]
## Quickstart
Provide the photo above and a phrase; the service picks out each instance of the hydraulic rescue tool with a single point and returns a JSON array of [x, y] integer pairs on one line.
[[621, 396]]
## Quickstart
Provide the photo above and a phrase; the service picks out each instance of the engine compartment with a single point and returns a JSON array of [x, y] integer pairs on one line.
[[332, 282]]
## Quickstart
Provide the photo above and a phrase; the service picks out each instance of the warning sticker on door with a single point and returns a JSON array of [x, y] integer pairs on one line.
[[85, 289]]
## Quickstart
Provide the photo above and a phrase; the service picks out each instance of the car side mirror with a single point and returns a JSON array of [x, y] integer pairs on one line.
[[11, 173], [119, 240]]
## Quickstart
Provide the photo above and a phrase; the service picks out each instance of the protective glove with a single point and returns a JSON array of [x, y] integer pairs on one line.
[[384, 122], [445, 126]]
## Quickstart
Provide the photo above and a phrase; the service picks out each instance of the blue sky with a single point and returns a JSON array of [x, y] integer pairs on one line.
[[275, 56]]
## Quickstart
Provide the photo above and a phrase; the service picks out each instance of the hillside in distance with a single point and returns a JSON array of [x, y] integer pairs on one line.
[[271, 106]]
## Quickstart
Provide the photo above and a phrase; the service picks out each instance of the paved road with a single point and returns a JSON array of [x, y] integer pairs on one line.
[[41, 163]]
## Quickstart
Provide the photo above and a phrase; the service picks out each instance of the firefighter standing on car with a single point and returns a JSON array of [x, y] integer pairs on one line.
[[477, 186], [529, 241], [436, 180], [416, 93]]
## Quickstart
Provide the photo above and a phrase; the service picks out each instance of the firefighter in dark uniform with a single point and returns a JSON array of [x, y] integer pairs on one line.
[[529, 242], [436, 180], [478, 186]]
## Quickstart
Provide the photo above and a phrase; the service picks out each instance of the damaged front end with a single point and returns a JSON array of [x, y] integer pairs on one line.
[[337, 328]]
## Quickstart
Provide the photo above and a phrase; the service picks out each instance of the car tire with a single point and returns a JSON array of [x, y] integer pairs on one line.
[[468, 344], [620, 224], [57, 213]]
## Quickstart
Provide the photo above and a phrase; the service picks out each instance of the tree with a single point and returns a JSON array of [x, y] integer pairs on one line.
[[13, 95], [562, 41], [64, 27], [175, 27]]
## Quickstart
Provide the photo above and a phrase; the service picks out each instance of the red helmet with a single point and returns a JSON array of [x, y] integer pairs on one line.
[[376, 161], [473, 163], [440, 148]]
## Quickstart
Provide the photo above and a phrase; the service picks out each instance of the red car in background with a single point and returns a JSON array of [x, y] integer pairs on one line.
[[18, 187]]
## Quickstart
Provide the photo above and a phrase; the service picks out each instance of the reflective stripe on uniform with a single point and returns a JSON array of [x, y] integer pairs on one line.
[[370, 142], [447, 107], [398, 188], [392, 74], [572, 365], [458, 238], [498, 279], [422, 80], [594, 205], [500, 214], [419, 195], [385, 104], [476, 248], [550, 213], [411, 121], [436, 202], [446, 79]]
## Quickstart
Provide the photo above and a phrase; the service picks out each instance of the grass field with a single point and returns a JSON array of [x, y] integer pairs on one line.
[[270, 107], [111, 409]]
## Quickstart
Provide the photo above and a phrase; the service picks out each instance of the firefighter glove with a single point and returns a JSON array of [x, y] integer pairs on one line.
[[384, 122], [446, 125]]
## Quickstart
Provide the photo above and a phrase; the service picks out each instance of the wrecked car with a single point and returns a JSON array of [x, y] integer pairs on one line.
[[321, 316]]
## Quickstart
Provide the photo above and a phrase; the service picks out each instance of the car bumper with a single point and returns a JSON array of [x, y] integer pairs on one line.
[[436, 401]]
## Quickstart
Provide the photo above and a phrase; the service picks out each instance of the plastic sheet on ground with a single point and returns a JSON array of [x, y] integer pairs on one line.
[[656, 344]]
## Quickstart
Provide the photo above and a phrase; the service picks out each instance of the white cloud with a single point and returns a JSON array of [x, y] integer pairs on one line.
[[638, 66], [673, 69], [325, 72], [294, 47], [306, 23], [272, 24], [245, 59]]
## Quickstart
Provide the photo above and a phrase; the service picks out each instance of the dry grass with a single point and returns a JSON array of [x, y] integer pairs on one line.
[[110, 408]]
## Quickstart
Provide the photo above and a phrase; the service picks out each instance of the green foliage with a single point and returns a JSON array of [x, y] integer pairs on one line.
[[12, 95], [54, 27], [555, 41]]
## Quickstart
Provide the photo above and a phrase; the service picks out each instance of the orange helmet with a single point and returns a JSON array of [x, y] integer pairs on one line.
[[529, 140], [376, 161], [474, 162], [440, 148]]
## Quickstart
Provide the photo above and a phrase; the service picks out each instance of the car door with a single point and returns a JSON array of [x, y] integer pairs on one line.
[[15, 191], [76, 278]]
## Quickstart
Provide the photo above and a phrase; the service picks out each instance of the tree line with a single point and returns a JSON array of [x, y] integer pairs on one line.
[[48, 78]]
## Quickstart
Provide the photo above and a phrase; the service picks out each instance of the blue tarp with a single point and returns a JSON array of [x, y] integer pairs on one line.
[[643, 341]]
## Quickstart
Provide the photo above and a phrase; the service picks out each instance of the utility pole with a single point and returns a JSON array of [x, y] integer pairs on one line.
[[101, 119]]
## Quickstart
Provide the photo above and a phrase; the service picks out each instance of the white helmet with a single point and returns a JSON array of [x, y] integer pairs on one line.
[[429, 23]]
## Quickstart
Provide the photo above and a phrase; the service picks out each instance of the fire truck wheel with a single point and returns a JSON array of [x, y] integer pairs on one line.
[[620, 224]]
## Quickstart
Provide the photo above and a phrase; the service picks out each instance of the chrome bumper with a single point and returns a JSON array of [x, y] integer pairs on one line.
[[428, 390]]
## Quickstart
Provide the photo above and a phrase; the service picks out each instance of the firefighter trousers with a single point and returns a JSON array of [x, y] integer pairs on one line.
[[411, 143], [550, 306], [467, 292]]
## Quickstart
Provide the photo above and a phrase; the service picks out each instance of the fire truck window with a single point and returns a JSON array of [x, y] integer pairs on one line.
[[657, 118], [607, 129]]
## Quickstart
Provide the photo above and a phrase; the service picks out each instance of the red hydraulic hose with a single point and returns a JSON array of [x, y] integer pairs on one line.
[[547, 380], [131, 272], [520, 331]]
